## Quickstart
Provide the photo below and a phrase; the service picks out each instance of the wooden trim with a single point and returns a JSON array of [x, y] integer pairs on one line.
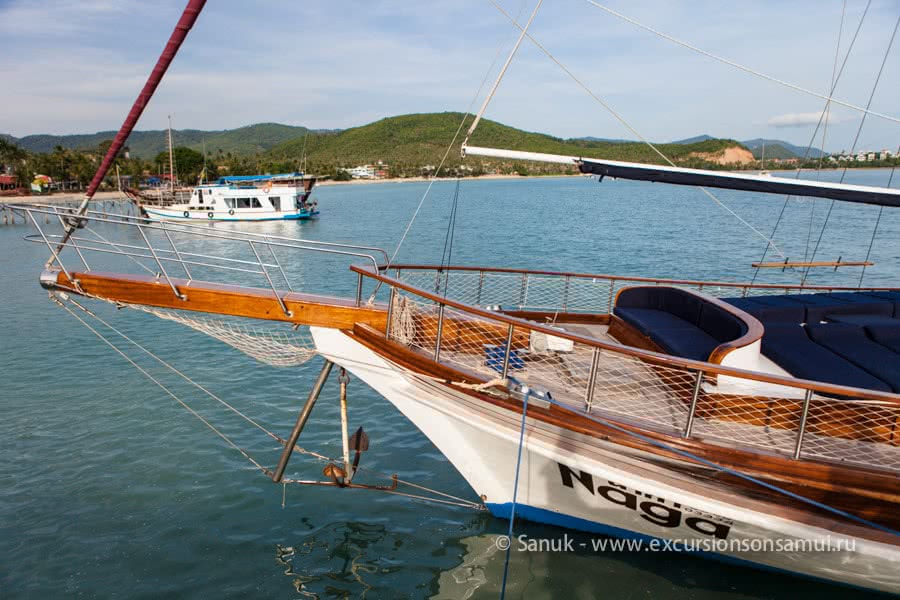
[[867, 492], [557, 318], [644, 355], [202, 296]]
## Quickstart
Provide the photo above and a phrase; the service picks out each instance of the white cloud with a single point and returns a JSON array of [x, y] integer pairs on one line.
[[326, 64], [795, 119]]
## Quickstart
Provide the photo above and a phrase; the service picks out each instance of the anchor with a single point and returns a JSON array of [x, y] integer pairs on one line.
[[339, 476]]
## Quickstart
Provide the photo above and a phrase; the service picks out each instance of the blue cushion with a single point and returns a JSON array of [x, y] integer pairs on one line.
[[746, 304], [886, 335], [681, 304], [851, 342], [893, 296], [863, 320], [846, 303], [790, 347], [687, 343], [638, 297], [646, 320], [813, 304], [721, 325]]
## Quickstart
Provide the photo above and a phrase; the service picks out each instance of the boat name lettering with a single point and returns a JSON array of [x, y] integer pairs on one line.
[[652, 508]]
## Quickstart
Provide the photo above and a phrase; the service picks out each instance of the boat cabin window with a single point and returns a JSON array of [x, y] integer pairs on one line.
[[200, 195], [297, 202], [256, 203], [229, 202], [276, 202], [243, 202]]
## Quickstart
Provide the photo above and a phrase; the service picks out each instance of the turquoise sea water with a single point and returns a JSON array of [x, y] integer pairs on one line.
[[109, 488]]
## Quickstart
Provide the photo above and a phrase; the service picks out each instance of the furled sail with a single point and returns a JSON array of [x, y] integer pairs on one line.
[[701, 177]]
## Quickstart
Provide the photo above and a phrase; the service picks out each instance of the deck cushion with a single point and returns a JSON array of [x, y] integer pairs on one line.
[[863, 320], [790, 347], [721, 325], [681, 304], [893, 296], [789, 313], [886, 335], [848, 303], [638, 297], [688, 343], [647, 320], [748, 306], [850, 341]]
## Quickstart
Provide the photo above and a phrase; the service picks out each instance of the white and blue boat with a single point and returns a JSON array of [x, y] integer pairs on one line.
[[280, 197]]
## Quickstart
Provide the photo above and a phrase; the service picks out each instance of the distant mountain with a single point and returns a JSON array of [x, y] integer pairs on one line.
[[774, 148], [590, 138], [252, 139], [793, 150], [695, 139]]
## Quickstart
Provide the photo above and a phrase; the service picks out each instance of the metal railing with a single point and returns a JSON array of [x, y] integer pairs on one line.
[[725, 406], [159, 255], [522, 289]]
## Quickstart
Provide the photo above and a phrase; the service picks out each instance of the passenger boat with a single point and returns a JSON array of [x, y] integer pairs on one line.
[[244, 198], [756, 423]]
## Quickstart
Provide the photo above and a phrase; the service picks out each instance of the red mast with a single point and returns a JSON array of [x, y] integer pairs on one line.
[[185, 23]]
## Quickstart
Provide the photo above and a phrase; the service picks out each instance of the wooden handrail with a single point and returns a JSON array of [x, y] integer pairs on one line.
[[644, 355], [732, 284]]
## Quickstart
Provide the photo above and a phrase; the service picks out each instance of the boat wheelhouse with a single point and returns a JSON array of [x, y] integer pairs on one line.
[[244, 198]]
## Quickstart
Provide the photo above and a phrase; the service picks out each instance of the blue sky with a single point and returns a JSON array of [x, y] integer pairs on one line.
[[75, 67]]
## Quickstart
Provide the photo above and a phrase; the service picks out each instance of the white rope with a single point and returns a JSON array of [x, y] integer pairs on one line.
[[742, 67], [163, 387], [509, 59], [443, 160], [635, 131]]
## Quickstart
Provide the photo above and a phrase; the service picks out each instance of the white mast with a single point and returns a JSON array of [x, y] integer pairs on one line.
[[171, 160]]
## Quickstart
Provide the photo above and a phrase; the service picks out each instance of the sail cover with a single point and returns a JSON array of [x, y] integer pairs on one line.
[[700, 177]]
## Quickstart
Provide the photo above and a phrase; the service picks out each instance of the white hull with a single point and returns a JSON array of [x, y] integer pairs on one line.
[[580, 482], [250, 214]]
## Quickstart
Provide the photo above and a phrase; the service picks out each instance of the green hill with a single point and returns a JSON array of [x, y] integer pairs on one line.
[[251, 139], [408, 141]]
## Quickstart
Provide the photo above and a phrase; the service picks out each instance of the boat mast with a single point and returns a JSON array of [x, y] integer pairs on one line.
[[171, 161]]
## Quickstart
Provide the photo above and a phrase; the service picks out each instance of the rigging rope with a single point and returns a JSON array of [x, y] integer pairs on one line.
[[746, 69], [512, 508], [634, 131], [812, 139], [441, 164], [826, 113], [447, 254], [875, 230], [862, 122], [451, 499], [509, 59]]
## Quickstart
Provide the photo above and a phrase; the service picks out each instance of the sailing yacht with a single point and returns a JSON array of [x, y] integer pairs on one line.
[[750, 422]]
